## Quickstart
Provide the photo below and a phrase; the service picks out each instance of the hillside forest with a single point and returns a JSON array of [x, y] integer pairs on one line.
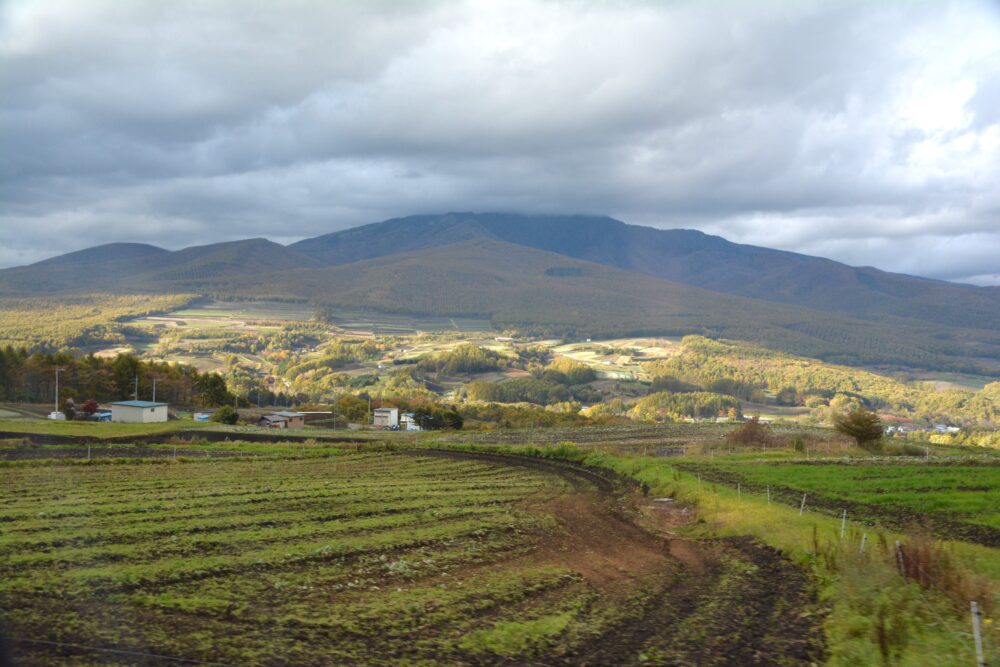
[[282, 354]]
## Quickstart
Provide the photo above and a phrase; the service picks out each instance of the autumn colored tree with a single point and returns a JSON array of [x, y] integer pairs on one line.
[[750, 432], [862, 425]]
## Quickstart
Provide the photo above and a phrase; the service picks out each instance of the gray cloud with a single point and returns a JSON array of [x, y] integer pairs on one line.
[[867, 132]]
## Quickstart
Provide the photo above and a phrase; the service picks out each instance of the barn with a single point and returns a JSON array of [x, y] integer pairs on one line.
[[283, 420]]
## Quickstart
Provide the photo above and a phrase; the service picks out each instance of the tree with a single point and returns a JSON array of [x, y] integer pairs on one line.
[[751, 432], [225, 415], [862, 425], [434, 417], [89, 406], [787, 396]]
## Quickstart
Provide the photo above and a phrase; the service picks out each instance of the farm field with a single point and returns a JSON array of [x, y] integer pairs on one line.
[[250, 310], [374, 557], [667, 439], [952, 499], [98, 429], [386, 323], [620, 358]]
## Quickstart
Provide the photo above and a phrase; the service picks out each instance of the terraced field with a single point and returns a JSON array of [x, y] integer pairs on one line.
[[374, 558]]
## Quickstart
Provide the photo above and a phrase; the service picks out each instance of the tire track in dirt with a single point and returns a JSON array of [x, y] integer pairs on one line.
[[729, 601]]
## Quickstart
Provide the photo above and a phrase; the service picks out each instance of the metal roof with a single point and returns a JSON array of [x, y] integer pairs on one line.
[[288, 414], [139, 404]]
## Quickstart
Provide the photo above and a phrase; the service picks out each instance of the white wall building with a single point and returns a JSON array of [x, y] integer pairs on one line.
[[386, 417], [144, 412], [408, 422]]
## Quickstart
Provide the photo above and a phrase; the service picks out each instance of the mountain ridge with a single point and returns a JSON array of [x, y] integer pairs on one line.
[[701, 260], [580, 274]]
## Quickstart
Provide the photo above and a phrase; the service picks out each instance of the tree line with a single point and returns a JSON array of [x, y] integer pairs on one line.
[[30, 378]]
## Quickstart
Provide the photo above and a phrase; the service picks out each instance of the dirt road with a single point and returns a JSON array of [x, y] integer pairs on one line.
[[713, 602]]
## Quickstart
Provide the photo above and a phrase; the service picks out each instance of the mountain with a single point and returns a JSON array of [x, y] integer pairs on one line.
[[139, 268], [575, 275], [109, 252], [537, 290], [688, 257]]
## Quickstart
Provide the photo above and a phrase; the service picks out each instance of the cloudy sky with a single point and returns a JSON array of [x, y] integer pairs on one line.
[[864, 131]]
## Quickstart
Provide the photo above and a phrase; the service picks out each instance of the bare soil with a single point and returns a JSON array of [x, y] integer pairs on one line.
[[727, 601]]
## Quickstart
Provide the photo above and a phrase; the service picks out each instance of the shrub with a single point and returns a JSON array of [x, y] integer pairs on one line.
[[750, 432], [225, 415]]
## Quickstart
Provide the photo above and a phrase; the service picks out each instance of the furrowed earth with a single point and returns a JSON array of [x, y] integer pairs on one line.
[[381, 557]]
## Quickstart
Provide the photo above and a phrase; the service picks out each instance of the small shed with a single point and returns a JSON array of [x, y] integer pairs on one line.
[[272, 421], [283, 420], [143, 412], [386, 417]]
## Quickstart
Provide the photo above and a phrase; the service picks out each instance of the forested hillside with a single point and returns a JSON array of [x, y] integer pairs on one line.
[[801, 381], [684, 256], [52, 323]]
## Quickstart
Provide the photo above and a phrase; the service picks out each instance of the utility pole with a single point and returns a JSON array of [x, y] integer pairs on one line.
[[58, 371], [154, 390], [136, 392]]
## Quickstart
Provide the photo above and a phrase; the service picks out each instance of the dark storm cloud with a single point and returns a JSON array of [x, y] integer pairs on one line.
[[868, 132]]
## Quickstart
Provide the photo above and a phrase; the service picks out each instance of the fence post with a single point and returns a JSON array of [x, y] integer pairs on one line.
[[864, 538], [739, 490], [977, 634], [900, 559], [768, 494], [843, 524], [88, 451], [802, 507]]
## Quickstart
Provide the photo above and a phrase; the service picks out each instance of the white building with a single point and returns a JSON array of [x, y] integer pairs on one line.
[[144, 412], [386, 417], [408, 422]]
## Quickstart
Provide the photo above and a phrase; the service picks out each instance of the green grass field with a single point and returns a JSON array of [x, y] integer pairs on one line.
[[98, 429], [902, 492]]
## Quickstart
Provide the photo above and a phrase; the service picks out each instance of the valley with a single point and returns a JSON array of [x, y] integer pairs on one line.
[[608, 468]]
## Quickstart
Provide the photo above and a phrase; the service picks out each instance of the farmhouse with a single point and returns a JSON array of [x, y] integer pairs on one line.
[[386, 417], [283, 420], [144, 412]]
